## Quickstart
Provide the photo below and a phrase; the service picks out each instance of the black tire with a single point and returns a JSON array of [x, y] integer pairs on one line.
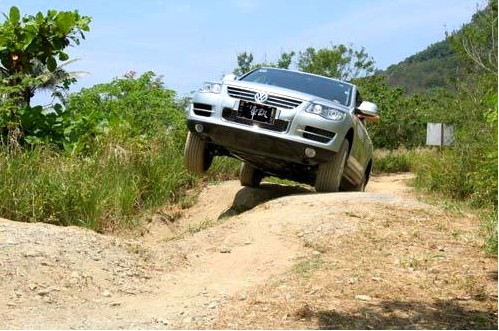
[[196, 158], [329, 174], [365, 179], [250, 176], [362, 186]]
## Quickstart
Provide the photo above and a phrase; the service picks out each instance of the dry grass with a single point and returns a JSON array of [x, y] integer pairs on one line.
[[403, 268]]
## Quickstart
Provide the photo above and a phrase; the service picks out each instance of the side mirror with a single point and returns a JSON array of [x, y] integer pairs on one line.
[[368, 110], [229, 77]]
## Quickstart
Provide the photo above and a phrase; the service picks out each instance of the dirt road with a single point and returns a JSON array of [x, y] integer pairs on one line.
[[267, 258]]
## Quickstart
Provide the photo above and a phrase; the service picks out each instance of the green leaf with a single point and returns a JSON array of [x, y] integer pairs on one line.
[[39, 18], [58, 108], [63, 56], [65, 22], [14, 15], [51, 13], [51, 64]]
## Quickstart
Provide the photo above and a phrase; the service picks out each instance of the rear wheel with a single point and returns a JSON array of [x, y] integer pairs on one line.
[[250, 176], [329, 174], [196, 157]]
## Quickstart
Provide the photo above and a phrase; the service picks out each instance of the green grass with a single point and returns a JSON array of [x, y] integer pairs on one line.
[[306, 267], [111, 189], [386, 161], [490, 231]]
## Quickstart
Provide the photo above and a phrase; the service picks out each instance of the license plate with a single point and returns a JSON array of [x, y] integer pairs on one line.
[[256, 112]]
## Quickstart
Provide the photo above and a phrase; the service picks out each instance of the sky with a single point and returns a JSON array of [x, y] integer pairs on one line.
[[191, 41]]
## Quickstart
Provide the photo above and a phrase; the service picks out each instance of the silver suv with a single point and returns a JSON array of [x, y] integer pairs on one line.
[[283, 123]]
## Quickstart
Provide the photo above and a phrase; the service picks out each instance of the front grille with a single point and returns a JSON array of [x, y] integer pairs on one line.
[[317, 134], [231, 115], [202, 109], [273, 100]]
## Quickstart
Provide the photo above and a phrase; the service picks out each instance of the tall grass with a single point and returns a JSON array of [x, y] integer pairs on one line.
[[392, 161], [108, 190]]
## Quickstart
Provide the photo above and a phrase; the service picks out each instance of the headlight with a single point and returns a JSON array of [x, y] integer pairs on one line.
[[326, 112], [209, 87]]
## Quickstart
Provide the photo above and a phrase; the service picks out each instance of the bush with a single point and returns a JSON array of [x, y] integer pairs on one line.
[[391, 161]]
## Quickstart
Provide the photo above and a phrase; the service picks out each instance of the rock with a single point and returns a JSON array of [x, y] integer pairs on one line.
[[47, 290], [377, 279], [74, 278], [213, 305], [106, 294], [162, 320], [363, 297], [352, 280], [33, 254], [225, 249], [115, 304]]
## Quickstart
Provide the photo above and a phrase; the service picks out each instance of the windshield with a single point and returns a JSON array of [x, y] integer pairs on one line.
[[322, 87]]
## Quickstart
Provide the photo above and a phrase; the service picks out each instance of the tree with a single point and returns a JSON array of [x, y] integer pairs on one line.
[[31, 41], [57, 81], [128, 108], [476, 42], [339, 61], [245, 62], [30, 48], [401, 117], [285, 60]]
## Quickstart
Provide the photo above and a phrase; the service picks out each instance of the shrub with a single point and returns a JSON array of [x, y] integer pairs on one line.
[[391, 161]]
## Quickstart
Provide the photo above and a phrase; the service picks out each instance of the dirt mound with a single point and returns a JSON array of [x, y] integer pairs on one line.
[[273, 257]]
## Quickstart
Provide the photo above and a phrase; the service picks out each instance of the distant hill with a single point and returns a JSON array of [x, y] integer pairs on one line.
[[436, 66], [439, 66]]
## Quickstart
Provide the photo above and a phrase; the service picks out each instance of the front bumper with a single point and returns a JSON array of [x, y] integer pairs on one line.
[[257, 147]]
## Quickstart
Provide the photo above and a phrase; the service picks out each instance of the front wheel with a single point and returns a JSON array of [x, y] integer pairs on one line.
[[329, 174], [196, 157], [362, 186], [250, 176]]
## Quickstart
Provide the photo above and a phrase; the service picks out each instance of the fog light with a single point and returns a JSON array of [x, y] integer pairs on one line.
[[310, 152], [199, 128]]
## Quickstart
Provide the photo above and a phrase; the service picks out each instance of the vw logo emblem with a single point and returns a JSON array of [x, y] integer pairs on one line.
[[261, 97]]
